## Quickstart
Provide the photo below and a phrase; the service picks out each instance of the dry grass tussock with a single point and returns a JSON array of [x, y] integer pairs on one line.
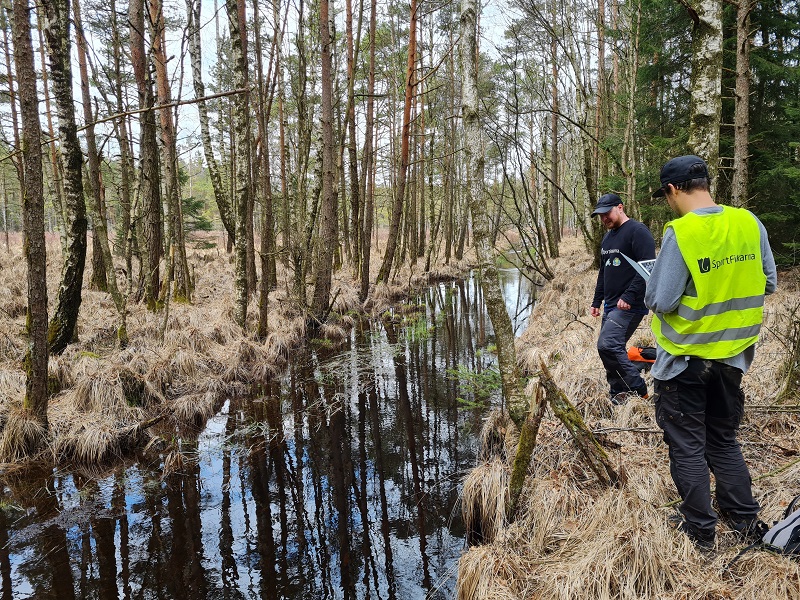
[[574, 539], [177, 368]]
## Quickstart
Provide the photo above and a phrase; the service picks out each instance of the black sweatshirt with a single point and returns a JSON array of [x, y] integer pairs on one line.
[[618, 279]]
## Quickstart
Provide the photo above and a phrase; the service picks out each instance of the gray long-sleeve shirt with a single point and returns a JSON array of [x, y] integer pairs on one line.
[[671, 278]]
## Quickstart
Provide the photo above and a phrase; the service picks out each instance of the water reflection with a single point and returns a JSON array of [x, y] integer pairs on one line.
[[338, 481]]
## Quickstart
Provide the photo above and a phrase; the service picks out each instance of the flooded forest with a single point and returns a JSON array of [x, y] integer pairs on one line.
[[284, 283]]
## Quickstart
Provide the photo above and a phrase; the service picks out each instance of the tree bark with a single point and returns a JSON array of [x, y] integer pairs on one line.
[[55, 166], [475, 159], [328, 231], [554, 230], [741, 119], [61, 330], [125, 233], [241, 127], [369, 157], [148, 157], [525, 446], [12, 95], [35, 401], [402, 171], [267, 252], [706, 82], [178, 267]]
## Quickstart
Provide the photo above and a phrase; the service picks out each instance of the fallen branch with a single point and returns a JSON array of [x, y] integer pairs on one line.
[[777, 471], [527, 442], [595, 455]]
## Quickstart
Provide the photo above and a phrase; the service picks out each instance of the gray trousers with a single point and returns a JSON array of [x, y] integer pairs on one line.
[[615, 331], [700, 411]]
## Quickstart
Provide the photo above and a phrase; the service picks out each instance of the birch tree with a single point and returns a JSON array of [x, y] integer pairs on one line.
[[241, 126], [475, 161], [57, 32], [706, 81]]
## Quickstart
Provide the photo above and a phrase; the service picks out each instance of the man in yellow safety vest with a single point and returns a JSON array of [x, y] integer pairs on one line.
[[707, 292]]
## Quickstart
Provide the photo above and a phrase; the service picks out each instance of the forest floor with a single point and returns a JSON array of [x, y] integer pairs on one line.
[[180, 364], [574, 538]]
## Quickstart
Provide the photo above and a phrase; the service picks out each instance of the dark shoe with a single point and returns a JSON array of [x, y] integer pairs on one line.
[[702, 539], [619, 399], [751, 531]]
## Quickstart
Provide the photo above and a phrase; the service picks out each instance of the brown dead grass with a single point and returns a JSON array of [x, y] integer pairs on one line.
[[103, 392], [575, 539]]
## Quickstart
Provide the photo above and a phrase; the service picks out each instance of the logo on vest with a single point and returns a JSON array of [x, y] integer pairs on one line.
[[706, 264]]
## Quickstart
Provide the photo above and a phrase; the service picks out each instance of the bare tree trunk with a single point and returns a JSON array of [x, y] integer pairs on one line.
[[552, 222], [268, 271], [241, 127], [356, 211], [35, 402], [706, 82], [55, 166], [123, 244], [12, 96], [100, 229], [402, 171], [178, 267], [150, 185], [62, 326], [628, 146], [369, 157], [223, 202], [741, 119], [328, 231], [490, 280]]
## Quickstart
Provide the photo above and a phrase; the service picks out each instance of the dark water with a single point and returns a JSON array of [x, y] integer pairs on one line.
[[339, 481]]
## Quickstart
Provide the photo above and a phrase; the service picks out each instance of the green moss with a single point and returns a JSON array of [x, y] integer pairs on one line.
[[53, 385], [122, 337]]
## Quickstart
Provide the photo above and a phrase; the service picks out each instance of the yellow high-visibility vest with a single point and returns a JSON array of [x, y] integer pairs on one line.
[[723, 253]]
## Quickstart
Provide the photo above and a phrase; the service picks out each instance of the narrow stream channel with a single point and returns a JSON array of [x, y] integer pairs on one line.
[[341, 480]]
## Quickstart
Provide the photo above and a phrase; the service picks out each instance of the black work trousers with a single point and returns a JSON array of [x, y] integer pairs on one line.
[[615, 331], [700, 411]]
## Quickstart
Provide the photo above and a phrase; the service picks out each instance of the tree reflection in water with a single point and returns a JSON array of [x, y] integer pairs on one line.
[[338, 481]]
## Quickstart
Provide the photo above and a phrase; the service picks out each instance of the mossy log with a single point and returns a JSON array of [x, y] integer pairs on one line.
[[595, 455], [527, 442]]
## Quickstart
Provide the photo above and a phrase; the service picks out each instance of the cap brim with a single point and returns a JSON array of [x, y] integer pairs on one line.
[[659, 193], [601, 210]]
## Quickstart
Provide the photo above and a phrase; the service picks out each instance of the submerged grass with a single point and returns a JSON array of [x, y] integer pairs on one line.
[[573, 538]]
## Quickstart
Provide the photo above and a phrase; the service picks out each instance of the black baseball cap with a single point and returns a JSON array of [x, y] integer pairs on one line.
[[680, 169], [606, 203]]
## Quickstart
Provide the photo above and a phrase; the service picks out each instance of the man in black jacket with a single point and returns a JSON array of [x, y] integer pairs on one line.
[[621, 290]]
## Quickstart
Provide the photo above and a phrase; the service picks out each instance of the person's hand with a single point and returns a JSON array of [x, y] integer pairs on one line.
[[594, 311], [622, 305]]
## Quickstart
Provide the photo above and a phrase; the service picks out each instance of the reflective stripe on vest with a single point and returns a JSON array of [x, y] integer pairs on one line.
[[725, 316]]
